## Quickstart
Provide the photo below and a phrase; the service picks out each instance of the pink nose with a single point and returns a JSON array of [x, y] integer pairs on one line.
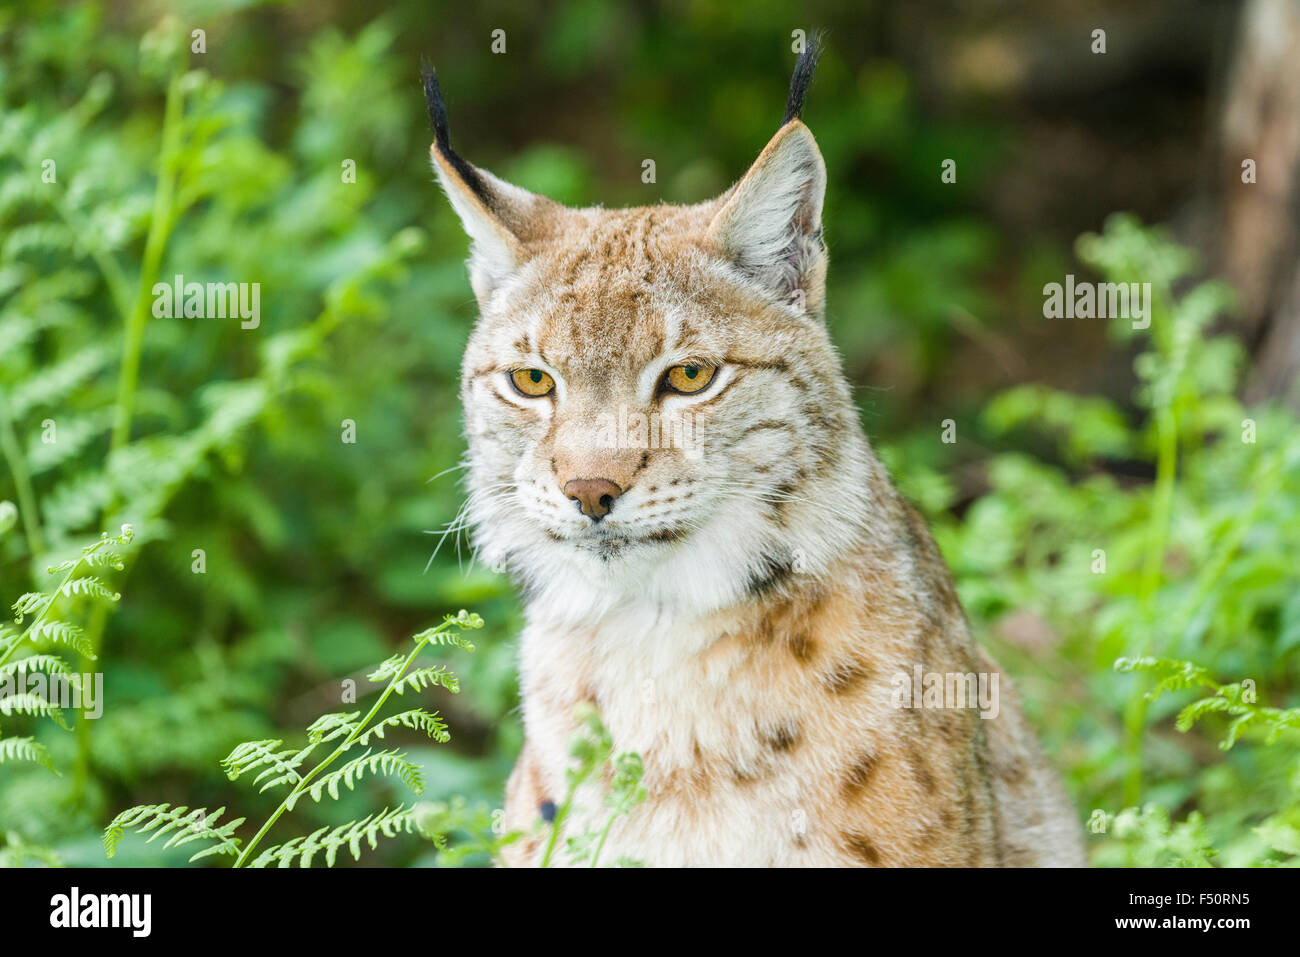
[[594, 496]]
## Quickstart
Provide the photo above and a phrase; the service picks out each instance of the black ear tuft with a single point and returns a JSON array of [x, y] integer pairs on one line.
[[437, 109], [441, 138], [803, 74]]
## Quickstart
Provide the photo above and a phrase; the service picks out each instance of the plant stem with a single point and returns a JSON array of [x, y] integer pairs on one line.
[[39, 619], [1135, 710], [600, 845], [576, 779], [561, 813], [13, 454], [301, 786], [161, 220]]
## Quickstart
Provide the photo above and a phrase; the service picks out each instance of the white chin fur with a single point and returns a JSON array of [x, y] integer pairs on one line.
[[571, 585]]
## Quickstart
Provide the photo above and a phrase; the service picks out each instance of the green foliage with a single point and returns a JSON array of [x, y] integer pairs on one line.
[[43, 618], [1147, 838], [25, 749], [278, 767], [1065, 567], [1236, 699], [593, 753], [205, 436], [386, 823], [462, 833], [1148, 835], [182, 824]]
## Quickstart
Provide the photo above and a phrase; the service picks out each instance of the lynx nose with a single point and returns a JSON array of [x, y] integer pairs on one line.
[[595, 496]]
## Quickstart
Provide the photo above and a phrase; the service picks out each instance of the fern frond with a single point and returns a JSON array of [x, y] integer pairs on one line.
[[98, 553], [54, 384], [1246, 715], [380, 762], [50, 664], [30, 603], [436, 675], [1172, 675], [1230, 699], [76, 433], [388, 669], [417, 718], [43, 237], [370, 828], [90, 586], [31, 704], [181, 823], [105, 559], [65, 633], [336, 724], [437, 636], [78, 501], [25, 749], [281, 767]]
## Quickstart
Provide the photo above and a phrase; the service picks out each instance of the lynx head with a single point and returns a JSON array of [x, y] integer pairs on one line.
[[654, 409]]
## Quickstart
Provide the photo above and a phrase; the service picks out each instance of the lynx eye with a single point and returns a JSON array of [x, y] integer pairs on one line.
[[533, 383], [691, 378]]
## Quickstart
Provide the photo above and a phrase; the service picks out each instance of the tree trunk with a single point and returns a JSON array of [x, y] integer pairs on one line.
[[1260, 235]]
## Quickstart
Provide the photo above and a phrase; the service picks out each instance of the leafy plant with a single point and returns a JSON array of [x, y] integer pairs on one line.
[[1071, 560], [221, 445], [134, 165], [1148, 838], [44, 620], [593, 750], [279, 767]]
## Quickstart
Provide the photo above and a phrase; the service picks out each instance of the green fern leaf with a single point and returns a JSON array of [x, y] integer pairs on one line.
[[387, 823], [90, 586], [25, 749], [276, 767], [334, 725], [30, 603], [417, 718], [65, 633], [181, 823], [31, 704], [419, 680], [50, 664], [388, 669], [381, 762], [436, 636]]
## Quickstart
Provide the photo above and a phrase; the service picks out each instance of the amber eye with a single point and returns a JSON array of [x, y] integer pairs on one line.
[[533, 383], [690, 378]]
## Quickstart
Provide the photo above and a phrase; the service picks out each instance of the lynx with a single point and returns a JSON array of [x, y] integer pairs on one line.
[[747, 614]]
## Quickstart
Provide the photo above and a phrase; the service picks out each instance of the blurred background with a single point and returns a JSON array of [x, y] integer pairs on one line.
[[1074, 437]]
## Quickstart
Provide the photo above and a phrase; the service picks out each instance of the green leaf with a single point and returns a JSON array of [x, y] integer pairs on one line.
[[25, 749]]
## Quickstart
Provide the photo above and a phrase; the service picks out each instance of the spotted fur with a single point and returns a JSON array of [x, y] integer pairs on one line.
[[740, 613]]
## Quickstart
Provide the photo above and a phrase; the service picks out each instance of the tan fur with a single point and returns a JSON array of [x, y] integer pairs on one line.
[[738, 619]]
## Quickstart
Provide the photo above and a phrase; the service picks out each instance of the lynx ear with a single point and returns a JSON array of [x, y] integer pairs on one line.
[[498, 217], [770, 223]]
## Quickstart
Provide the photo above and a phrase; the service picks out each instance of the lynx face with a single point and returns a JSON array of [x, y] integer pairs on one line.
[[653, 405]]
